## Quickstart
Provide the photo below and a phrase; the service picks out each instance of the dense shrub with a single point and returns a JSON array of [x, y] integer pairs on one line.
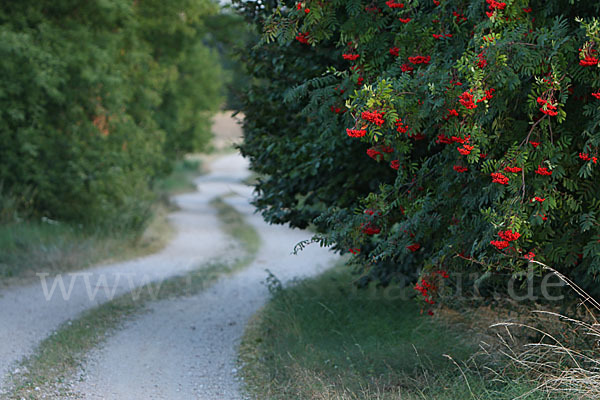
[[97, 98], [467, 132]]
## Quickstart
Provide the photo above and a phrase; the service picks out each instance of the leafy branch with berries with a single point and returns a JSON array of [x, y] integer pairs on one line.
[[469, 131]]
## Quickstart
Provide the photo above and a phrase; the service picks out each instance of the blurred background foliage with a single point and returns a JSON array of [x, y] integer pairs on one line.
[[98, 99]]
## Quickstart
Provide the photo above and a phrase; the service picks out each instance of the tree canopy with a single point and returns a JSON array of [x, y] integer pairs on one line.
[[97, 98]]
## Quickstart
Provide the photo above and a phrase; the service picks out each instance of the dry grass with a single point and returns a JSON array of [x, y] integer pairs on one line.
[[564, 358]]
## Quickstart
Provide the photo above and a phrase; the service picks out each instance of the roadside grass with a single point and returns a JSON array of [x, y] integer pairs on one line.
[[181, 179], [322, 339], [47, 373], [30, 246], [235, 225]]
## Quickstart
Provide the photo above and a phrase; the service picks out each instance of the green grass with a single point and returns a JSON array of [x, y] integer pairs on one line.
[[59, 356], [234, 224], [31, 246], [180, 180], [322, 339]]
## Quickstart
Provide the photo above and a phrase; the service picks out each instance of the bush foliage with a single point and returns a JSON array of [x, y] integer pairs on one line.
[[96, 100], [424, 133]]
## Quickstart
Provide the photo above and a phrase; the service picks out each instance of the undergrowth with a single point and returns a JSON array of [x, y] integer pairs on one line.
[[324, 339], [30, 245]]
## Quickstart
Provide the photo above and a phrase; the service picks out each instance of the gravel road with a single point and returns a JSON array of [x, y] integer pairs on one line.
[[183, 348], [29, 314], [186, 348]]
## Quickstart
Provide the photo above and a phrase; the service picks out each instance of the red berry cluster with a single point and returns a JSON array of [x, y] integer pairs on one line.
[[466, 99], [373, 117], [299, 7], [386, 149], [441, 138], [456, 139], [489, 94], [547, 107], [543, 171], [374, 154], [588, 57], [369, 228], [428, 287], [497, 177], [513, 169], [465, 150], [481, 61], [414, 247], [416, 136], [419, 59], [356, 132], [372, 9], [507, 237], [351, 57], [302, 37], [459, 17], [495, 5], [400, 126], [393, 4], [451, 113], [586, 157], [406, 68], [500, 244]]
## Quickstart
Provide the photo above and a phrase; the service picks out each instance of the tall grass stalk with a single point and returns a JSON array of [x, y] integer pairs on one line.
[[565, 358]]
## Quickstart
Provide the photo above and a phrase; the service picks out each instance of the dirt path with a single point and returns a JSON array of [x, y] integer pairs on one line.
[[29, 314], [183, 348], [186, 348]]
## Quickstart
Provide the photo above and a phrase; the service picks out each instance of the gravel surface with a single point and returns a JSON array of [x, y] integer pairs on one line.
[[186, 348], [29, 314]]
